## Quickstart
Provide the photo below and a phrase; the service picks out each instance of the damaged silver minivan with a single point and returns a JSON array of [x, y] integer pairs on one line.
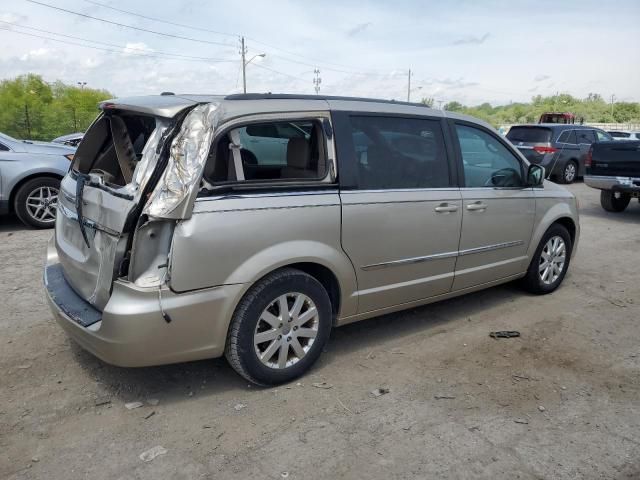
[[192, 227]]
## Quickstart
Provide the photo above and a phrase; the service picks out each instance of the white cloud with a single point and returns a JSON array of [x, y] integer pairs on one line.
[[34, 54], [12, 17]]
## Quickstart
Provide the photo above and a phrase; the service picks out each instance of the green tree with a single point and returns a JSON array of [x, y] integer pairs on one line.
[[33, 109]]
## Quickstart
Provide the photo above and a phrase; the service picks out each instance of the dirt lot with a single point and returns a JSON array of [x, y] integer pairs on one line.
[[562, 401]]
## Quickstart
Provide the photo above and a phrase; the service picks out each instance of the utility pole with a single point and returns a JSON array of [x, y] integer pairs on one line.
[[409, 87], [245, 62], [613, 97], [243, 53], [317, 80]]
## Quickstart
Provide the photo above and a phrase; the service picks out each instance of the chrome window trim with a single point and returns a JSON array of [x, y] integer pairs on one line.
[[439, 256]]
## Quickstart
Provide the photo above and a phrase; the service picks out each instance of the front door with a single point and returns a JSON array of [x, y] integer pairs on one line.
[[401, 216], [498, 211]]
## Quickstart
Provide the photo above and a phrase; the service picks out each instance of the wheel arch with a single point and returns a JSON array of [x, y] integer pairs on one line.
[[16, 186], [561, 213]]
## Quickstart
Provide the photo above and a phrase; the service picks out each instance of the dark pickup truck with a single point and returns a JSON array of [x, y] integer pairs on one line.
[[614, 168]]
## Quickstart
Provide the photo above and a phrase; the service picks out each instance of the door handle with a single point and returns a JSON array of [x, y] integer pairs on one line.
[[477, 206], [446, 208]]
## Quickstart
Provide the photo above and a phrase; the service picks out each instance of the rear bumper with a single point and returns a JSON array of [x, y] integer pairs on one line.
[[616, 184], [131, 331]]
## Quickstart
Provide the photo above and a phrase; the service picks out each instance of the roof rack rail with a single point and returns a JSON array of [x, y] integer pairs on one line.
[[294, 96]]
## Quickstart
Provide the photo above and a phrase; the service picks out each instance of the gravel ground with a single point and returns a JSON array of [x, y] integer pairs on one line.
[[562, 401]]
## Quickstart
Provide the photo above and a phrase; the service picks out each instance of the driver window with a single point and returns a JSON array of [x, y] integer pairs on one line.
[[487, 162]]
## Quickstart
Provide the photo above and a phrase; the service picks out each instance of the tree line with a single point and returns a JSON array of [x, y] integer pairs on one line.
[[33, 109], [593, 109]]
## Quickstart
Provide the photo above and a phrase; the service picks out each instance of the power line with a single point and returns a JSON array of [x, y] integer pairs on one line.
[[157, 53], [95, 48], [155, 32], [200, 29], [155, 19], [281, 73]]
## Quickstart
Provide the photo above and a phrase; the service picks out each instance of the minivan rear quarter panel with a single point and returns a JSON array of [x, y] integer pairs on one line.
[[237, 239]]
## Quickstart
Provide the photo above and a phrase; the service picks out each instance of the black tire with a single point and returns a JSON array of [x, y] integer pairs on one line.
[[23, 193], [240, 350], [569, 172], [532, 282], [614, 201]]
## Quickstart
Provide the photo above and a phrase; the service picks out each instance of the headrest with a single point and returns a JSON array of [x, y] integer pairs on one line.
[[298, 153]]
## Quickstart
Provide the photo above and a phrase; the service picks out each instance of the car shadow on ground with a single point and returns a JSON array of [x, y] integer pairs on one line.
[[11, 223], [179, 382]]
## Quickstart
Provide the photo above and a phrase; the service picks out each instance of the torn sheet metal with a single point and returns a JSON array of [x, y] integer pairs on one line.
[[148, 161], [188, 155]]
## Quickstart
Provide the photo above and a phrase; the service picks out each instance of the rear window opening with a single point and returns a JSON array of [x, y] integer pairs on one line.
[[267, 152], [112, 147], [529, 134]]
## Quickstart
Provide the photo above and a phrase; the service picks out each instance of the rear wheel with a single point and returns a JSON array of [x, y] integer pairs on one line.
[[614, 201], [279, 328], [569, 172], [36, 202], [550, 261]]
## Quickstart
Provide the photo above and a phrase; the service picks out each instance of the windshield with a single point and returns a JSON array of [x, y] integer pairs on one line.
[[529, 134]]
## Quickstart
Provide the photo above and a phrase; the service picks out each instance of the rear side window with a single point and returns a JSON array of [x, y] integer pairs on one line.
[[269, 151], [395, 152], [529, 134], [3, 148], [568, 136], [586, 136]]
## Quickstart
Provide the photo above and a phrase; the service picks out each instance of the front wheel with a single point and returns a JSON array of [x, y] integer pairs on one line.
[[614, 201], [279, 328], [36, 202], [550, 261]]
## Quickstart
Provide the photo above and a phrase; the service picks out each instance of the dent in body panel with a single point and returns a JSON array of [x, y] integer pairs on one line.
[[239, 239]]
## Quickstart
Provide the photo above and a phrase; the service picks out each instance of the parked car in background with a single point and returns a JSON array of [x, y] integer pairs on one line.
[[253, 224], [614, 169], [72, 140], [560, 149], [621, 135], [30, 174]]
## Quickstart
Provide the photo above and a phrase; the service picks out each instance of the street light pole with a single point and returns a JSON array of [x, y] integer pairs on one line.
[[243, 53]]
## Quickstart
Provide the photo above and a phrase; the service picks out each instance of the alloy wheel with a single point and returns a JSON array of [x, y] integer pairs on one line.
[[552, 260], [570, 172], [286, 330], [42, 204]]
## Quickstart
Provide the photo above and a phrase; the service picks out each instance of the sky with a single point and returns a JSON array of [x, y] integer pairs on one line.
[[460, 50]]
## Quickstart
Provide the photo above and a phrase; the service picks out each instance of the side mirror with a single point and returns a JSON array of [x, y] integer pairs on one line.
[[535, 176]]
